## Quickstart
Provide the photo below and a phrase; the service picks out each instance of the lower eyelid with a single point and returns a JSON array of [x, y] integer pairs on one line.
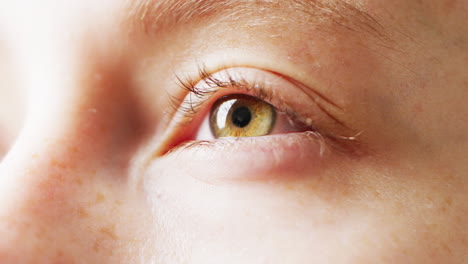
[[254, 158]]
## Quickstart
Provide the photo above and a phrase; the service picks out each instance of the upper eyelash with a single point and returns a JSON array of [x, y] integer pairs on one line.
[[187, 108]]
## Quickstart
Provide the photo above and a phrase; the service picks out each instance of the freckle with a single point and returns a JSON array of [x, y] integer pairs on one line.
[[56, 177], [56, 163], [418, 108], [79, 181], [443, 209], [41, 232], [448, 201], [377, 194], [82, 212], [288, 187], [399, 210], [464, 241], [96, 246], [73, 149], [109, 231], [447, 248], [100, 198], [458, 219], [59, 253]]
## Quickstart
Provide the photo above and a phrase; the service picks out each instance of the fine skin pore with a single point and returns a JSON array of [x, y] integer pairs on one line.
[[99, 166]]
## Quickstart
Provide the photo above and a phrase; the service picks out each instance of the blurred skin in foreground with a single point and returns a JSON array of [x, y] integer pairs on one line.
[[353, 149]]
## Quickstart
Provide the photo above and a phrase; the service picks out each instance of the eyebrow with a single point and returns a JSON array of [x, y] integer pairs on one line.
[[155, 15]]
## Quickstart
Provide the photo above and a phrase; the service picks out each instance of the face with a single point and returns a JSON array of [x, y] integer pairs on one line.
[[176, 131]]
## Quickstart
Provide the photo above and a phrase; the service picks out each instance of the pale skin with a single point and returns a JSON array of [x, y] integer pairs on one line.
[[92, 172]]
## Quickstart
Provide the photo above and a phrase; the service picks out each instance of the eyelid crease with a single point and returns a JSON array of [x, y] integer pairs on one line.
[[189, 108], [318, 99]]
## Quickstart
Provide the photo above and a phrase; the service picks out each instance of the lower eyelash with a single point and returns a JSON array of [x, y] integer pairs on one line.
[[186, 109]]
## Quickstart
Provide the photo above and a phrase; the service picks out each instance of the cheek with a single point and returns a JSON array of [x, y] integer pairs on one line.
[[60, 198], [355, 209], [57, 213]]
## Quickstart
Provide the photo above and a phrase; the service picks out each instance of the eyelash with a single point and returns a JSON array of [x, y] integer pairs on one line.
[[188, 109]]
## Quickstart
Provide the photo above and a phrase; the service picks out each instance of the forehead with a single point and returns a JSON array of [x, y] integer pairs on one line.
[[162, 13]]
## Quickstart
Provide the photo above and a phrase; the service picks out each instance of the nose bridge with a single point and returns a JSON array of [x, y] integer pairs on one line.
[[81, 126], [46, 176], [34, 174], [56, 171]]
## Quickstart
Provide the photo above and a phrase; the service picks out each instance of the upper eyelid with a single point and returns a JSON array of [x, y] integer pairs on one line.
[[256, 87], [214, 84]]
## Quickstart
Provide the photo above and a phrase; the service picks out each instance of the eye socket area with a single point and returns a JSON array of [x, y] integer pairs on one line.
[[296, 108], [269, 123]]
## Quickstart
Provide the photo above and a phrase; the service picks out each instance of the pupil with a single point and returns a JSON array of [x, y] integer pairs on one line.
[[241, 117]]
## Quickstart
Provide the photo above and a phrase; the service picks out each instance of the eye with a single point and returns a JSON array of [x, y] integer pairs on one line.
[[267, 122], [252, 106], [241, 115]]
